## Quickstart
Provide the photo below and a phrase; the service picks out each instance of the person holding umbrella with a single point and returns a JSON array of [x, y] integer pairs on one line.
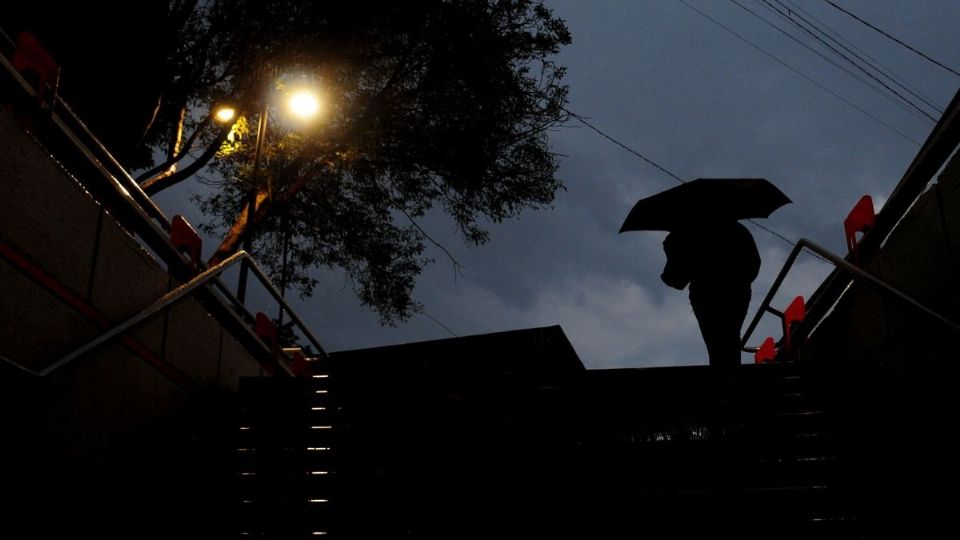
[[718, 261], [710, 252]]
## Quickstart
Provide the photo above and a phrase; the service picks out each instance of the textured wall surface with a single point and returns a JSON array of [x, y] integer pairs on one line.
[[892, 373], [69, 269]]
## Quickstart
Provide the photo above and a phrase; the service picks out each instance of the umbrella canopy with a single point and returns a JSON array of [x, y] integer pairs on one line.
[[704, 200]]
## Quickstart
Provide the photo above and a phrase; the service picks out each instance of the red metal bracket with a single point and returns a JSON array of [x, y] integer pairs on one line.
[[185, 238], [860, 219]]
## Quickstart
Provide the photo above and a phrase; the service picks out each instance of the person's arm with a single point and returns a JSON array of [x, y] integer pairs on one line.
[[676, 273], [747, 255]]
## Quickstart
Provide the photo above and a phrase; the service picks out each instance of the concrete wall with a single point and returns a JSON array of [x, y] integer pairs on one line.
[[873, 331], [892, 373], [79, 417]]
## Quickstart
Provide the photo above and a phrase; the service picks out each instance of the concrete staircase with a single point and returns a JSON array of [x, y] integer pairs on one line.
[[660, 453], [283, 458], [678, 453]]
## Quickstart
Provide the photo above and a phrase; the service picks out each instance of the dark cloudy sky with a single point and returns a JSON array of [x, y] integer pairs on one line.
[[701, 102]]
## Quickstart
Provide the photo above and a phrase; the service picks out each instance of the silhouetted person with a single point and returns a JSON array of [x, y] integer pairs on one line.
[[719, 261]]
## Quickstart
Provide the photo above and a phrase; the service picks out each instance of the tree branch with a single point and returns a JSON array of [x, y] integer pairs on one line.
[[457, 267], [238, 231], [232, 240], [178, 154], [170, 178]]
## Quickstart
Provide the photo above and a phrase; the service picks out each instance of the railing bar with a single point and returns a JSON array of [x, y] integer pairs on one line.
[[840, 263], [169, 298], [118, 187], [279, 298], [123, 190], [133, 187], [773, 290], [20, 366], [230, 297], [932, 157], [857, 272], [61, 103], [152, 309], [125, 194]]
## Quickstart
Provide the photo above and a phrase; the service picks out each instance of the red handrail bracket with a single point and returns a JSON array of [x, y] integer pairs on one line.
[[36, 66], [265, 329], [860, 219], [185, 238], [792, 316], [766, 353]]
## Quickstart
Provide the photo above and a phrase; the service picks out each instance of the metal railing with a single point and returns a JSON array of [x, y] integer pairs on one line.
[[842, 265], [106, 162], [936, 150], [166, 301], [134, 209]]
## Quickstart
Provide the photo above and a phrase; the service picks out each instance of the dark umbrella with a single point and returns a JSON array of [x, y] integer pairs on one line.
[[704, 200]]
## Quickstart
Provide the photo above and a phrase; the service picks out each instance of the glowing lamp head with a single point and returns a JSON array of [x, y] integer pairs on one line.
[[225, 114], [304, 104]]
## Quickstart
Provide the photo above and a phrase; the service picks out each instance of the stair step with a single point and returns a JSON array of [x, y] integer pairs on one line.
[[615, 454]]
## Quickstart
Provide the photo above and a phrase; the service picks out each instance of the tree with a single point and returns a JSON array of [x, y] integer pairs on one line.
[[431, 105]]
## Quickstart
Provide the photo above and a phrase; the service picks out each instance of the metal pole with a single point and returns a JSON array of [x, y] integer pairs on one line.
[[852, 270], [150, 310], [252, 199], [283, 267], [773, 290], [864, 276]]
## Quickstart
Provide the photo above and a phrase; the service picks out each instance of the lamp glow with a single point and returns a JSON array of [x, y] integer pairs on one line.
[[225, 115], [304, 104]]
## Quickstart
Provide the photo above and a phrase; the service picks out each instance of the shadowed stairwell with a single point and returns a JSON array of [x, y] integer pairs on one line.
[[423, 448]]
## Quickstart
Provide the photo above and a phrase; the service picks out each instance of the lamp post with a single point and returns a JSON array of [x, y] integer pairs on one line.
[[302, 103], [252, 197]]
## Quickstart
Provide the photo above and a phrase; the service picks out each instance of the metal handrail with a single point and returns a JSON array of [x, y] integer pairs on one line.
[[128, 184], [154, 223], [939, 146], [841, 264], [166, 301], [127, 181], [123, 192]]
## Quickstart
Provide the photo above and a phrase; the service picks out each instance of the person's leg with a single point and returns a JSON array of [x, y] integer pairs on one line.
[[720, 313]]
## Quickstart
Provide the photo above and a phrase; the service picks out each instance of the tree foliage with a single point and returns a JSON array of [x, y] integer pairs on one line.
[[430, 105]]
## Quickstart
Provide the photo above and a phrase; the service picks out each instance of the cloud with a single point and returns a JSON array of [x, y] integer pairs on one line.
[[610, 322], [618, 323]]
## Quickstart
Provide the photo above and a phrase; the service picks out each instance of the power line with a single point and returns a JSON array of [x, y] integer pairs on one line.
[[621, 145], [789, 12], [809, 79], [445, 327], [667, 172], [836, 37], [826, 58], [888, 36], [856, 65]]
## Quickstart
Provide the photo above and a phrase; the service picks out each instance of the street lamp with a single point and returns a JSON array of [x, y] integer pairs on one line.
[[225, 114], [304, 103]]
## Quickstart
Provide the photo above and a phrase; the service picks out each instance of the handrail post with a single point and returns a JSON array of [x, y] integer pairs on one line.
[[773, 290], [859, 273], [150, 223], [153, 308], [856, 272], [164, 301]]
